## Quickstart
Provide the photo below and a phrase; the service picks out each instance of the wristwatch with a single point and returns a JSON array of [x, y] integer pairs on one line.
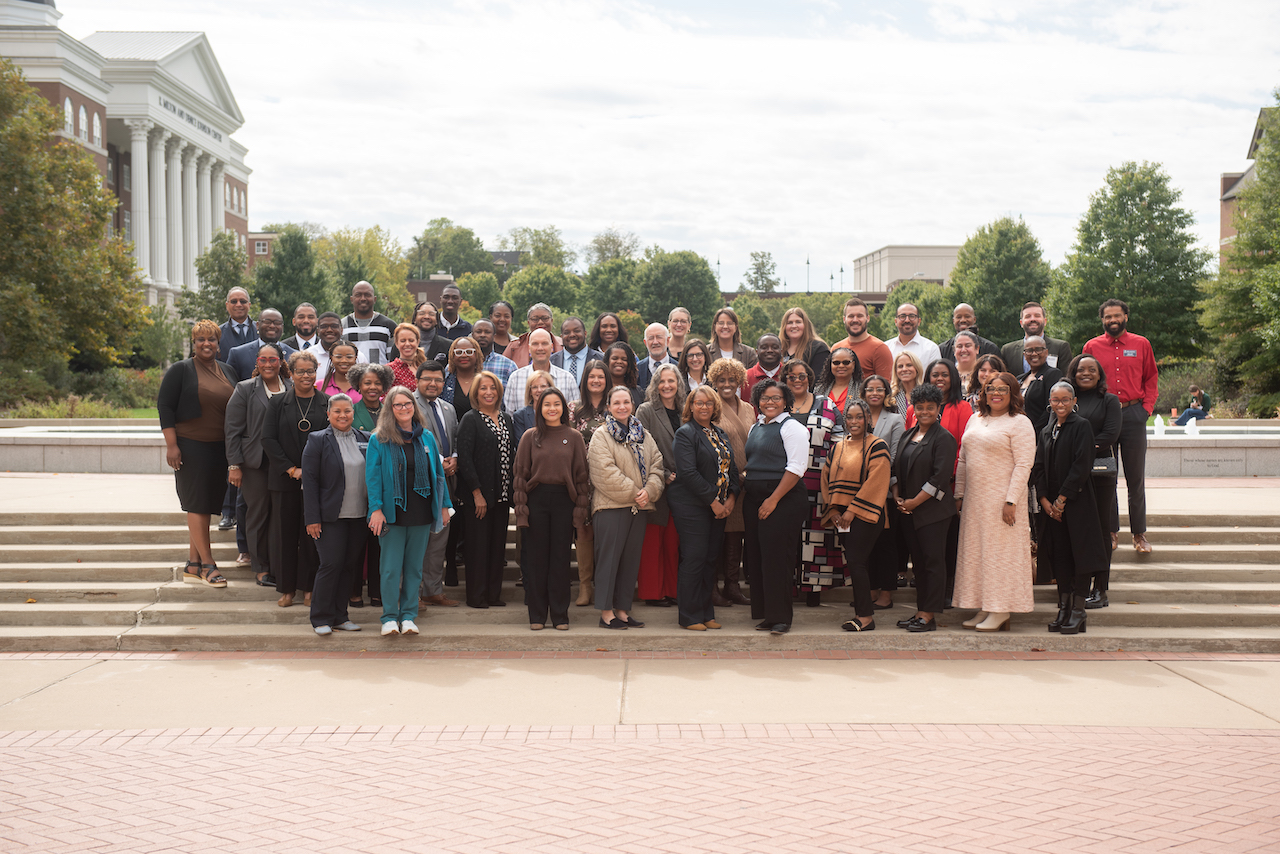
[[233, 468]]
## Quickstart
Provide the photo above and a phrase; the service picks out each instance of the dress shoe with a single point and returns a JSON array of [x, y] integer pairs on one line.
[[902, 624], [1140, 544], [390, 628], [764, 627], [779, 629], [995, 622], [657, 603], [477, 604], [879, 607], [347, 626], [712, 624], [323, 630], [1064, 611], [441, 599], [671, 601], [733, 593], [633, 623], [972, 622], [497, 603], [408, 627], [375, 602], [697, 627], [1096, 599], [1077, 620], [814, 599], [615, 623], [226, 523], [717, 600], [856, 626], [923, 626], [355, 603]]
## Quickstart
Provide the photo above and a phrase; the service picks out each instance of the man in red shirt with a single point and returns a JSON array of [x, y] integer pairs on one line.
[[873, 354], [767, 366], [1130, 365]]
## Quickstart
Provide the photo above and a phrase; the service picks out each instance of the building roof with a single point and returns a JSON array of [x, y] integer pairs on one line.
[[151, 47]]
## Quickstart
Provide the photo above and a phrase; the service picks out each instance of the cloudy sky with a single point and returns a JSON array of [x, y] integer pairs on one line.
[[810, 128]]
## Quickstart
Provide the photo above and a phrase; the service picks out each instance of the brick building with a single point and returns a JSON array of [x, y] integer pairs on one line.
[[1229, 188], [157, 114]]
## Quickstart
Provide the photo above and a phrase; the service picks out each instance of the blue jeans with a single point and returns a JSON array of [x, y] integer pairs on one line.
[[400, 569], [1189, 413]]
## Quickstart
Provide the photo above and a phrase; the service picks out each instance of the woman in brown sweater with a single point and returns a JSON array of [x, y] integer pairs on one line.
[[855, 485], [552, 497]]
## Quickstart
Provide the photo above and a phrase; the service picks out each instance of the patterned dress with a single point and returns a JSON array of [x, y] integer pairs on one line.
[[821, 557]]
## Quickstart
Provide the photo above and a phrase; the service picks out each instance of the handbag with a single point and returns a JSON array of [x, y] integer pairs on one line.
[[1105, 466]]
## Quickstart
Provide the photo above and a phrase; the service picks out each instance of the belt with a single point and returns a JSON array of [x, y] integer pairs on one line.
[[1135, 402]]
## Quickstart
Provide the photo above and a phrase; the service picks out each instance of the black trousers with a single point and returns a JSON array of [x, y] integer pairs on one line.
[[257, 515], [372, 569], [1104, 495], [953, 553], [1072, 577], [485, 549], [701, 539], [547, 544], [1133, 457], [928, 544], [771, 553], [293, 554], [858, 545], [887, 558], [341, 545]]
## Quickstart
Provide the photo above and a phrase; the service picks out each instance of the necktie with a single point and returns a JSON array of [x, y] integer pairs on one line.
[[573, 364], [239, 330], [444, 437], [306, 344]]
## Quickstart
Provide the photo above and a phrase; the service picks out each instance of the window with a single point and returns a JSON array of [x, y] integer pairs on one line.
[[111, 172], [128, 225], [84, 124], [226, 195], [244, 202], [97, 130], [68, 117], [128, 178], [259, 247]]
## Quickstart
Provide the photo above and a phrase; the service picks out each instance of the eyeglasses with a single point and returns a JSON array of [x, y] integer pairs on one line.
[[403, 405], [702, 401], [842, 362], [797, 377], [772, 398], [1035, 349], [997, 389], [907, 316], [304, 372], [428, 379], [238, 301], [467, 352], [268, 360]]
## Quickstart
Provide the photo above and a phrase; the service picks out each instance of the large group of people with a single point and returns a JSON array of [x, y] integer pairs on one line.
[[360, 457]]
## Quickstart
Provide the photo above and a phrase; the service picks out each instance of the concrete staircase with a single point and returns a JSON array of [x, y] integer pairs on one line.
[[113, 581]]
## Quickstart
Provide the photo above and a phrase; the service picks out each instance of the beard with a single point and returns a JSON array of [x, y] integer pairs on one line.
[[1115, 327]]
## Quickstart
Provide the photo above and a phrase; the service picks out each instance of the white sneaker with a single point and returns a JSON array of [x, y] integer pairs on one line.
[[324, 630], [390, 628], [408, 627]]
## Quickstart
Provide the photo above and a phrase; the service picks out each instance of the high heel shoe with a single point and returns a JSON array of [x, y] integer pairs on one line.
[[1077, 620], [994, 622], [972, 622]]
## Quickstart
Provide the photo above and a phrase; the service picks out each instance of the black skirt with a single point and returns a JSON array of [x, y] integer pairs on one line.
[[202, 479]]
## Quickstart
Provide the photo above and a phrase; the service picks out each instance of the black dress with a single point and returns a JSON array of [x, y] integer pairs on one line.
[[1064, 462], [1103, 414]]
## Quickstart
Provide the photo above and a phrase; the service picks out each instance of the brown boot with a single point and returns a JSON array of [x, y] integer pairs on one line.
[[584, 550], [719, 601], [586, 593], [731, 561]]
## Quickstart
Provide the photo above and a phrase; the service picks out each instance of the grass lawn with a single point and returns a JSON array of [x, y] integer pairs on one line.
[[152, 413]]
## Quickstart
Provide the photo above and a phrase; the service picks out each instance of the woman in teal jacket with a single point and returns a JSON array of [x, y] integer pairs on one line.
[[408, 502]]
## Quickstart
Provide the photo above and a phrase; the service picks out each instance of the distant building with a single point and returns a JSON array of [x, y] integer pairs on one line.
[[428, 289], [156, 112], [880, 271], [260, 245], [1230, 186]]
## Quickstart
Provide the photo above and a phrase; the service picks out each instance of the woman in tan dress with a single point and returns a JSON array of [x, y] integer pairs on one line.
[[994, 573], [726, 376]]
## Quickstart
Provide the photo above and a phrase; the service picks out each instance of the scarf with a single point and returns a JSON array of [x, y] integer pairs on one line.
[[724, 455], [421, 469], [632, 434]]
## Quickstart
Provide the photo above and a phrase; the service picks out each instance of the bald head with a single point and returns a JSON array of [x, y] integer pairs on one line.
[[963, 317], [540, 348]]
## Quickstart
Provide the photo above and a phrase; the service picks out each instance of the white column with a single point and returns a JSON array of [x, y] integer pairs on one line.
[[190, 231], [217, 182], [140, 217], [204, 213], [159, 224], [176, 266]]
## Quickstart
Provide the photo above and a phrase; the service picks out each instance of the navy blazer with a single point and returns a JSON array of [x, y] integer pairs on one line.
[[324, 479], [698, 466], [933, 463], [244, 359], [560, 358], [230, 340], [646, 372]]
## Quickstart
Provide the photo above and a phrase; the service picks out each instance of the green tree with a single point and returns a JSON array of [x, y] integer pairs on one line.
[[610, 245], [668, 279], [445, 246], [351, 255], [762, 275], [481, 290], [540, 283], [1135, 244], [933, 301], [293, 275], [998, 269], [67, 290], [219, 269], [1241, 305], [544, 245], [753, 317], [160, 344], [608, 286]]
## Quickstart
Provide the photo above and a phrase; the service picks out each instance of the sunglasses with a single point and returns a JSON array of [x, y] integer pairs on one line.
[[842, 362]]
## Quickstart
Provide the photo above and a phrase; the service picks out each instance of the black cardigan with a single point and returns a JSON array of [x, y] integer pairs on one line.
[[1103, 415], [283, 442], [1064, 467], [933, 463], [179, 397], [479, 461], [698, 466]]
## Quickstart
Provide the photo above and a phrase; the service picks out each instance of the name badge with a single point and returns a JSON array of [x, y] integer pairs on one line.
[[1131, 353], [1053, 361], [362, 446]]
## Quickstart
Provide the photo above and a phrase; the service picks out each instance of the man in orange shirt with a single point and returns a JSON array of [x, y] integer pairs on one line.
[[873, 354]]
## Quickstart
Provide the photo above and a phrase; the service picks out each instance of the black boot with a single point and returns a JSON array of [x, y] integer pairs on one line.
[[1076, 620], [1064, 611], [1097, 598]]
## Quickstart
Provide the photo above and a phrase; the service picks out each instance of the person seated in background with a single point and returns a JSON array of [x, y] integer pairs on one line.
[[1198, 409]]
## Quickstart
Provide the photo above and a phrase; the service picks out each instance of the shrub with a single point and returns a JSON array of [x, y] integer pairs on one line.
[[1262, 405], [20, 382], [1175, 378], [122, 387], [72, 406]]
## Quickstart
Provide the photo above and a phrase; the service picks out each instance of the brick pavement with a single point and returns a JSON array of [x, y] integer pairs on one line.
[[676, 788]]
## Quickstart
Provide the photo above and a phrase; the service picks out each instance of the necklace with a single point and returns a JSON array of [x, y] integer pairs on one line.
[[304, 423]]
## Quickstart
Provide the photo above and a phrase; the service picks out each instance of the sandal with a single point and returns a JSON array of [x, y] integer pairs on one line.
[[191, 575], [209, 575], [562, 627]]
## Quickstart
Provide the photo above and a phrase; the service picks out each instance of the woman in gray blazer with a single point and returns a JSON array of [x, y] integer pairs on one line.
[[660, 415], [889, 555], [248, 466]]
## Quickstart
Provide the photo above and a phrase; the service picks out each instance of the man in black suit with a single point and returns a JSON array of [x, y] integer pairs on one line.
[[963, 318], [655, 341], [238, 330], [242, 359], [442, 421], [1033, 321], [575, 355], [304, 335]]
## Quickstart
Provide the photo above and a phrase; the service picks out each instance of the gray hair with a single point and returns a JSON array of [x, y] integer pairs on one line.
[[656, 325], [1031, 338], [1065, 386], [651, 393], [539, 305]]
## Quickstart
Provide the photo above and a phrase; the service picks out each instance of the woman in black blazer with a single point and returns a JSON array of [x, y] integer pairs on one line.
[[701, 498], [1102, 410], [486, 465], [335, 504], [1037, 381], [925, 465], [1072, 532], [291, 419]]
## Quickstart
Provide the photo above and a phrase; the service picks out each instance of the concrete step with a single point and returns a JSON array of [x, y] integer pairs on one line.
[[585, 636], [1218, 553], [223, 552], [88, 572], [1198, 535], [103, 535]]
